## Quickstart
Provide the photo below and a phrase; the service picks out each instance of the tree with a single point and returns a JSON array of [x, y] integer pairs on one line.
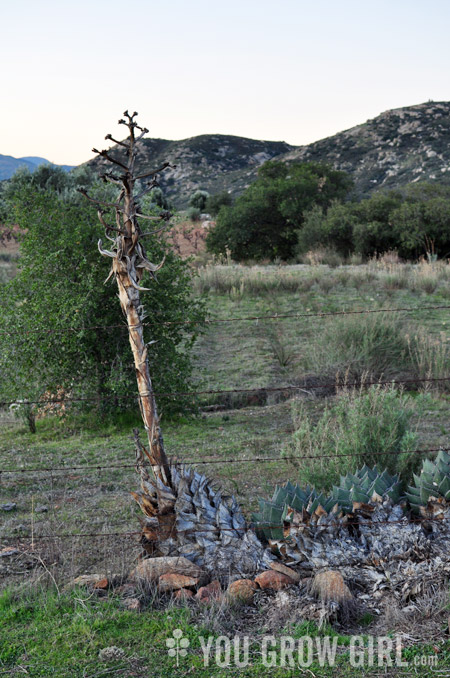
[[264, 221], [218, 200], [333, 229], [198, 200], [60, 285]]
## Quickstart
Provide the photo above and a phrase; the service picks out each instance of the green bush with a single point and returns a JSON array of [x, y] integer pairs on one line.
[[215, 202], [264, 221], [193, 214], [332, 229], [60, 284], [362, 427], [414, 222], [377, 346], [198, 200]]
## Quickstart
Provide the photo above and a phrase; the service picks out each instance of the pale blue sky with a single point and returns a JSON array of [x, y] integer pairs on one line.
[[269, 69]]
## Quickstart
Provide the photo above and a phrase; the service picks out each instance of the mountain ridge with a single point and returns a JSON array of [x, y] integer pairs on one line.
[[9, 165], [397, 147]]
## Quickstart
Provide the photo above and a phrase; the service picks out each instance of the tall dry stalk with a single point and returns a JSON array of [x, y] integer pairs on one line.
[[129, 262]]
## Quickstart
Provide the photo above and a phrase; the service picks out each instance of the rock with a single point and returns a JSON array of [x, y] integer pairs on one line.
[[111, 653], [206, 594], [171, 582], [150, 569], [88, 580], [132, 604], [330, 586], [8, 507], [183, 594], [41, 509], [102, 584], [241, 590], [284, 569], [270, 579]]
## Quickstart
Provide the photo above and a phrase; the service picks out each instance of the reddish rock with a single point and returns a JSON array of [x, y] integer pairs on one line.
[[330, 585], [150, 569], [270, 579], [241, 590], [89, 580], [183, 594], [212, 591], [102, 584], [284, 569], [171, 582]]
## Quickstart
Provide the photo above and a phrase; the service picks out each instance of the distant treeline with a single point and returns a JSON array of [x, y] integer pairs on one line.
[[291, 209]]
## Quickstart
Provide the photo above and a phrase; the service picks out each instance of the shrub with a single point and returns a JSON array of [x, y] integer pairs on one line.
[[263, 222], [370, 426], [198, 200], [215, 202], [193, 214], [60, 283]]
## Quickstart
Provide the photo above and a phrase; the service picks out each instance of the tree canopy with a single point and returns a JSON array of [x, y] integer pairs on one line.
[[413, 221], [264, 221], [60, 285]]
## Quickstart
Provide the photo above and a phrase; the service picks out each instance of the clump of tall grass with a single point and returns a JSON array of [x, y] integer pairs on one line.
[[253, 281], [321, 257], [378, 344], [363, 426]]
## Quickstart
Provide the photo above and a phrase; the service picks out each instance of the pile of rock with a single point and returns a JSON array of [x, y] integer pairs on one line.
[[184, 580]]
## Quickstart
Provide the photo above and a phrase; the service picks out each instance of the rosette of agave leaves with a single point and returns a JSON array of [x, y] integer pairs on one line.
[[305, 525], [431, 491], [291, 504]]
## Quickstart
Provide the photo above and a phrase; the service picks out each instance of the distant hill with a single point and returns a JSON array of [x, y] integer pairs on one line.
[[9, 165], [213, 162], [397, 147]]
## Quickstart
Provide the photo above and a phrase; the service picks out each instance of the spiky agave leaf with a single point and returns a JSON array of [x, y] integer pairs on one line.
[[366, 485], [433, 481], [196, 521], [303, 509], [272, 520]]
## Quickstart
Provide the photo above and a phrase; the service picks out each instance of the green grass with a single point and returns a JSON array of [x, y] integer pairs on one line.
[[49, 634]]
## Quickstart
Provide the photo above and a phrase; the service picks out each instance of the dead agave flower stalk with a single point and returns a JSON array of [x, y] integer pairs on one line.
[[129, 261]]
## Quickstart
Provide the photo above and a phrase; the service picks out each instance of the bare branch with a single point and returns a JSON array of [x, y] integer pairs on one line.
[[106, 226], [157, 171], [158, 230], [143, 133], [105, 253], [112, 179], [106, 155], [97, 202], [144, 216], [119, 143], [149, 187]]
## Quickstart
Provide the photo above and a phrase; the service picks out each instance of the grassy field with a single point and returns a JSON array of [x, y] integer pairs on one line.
[[312, 353]]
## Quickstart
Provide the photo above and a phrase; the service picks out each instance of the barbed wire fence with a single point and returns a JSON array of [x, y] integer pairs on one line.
[[288, 389]]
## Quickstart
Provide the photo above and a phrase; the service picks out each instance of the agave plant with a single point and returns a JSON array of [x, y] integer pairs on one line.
[[195, 520], [286, 502], [366, 485], [433, 482]]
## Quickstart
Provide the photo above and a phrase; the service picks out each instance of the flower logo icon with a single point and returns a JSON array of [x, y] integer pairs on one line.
[[177, 645]]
